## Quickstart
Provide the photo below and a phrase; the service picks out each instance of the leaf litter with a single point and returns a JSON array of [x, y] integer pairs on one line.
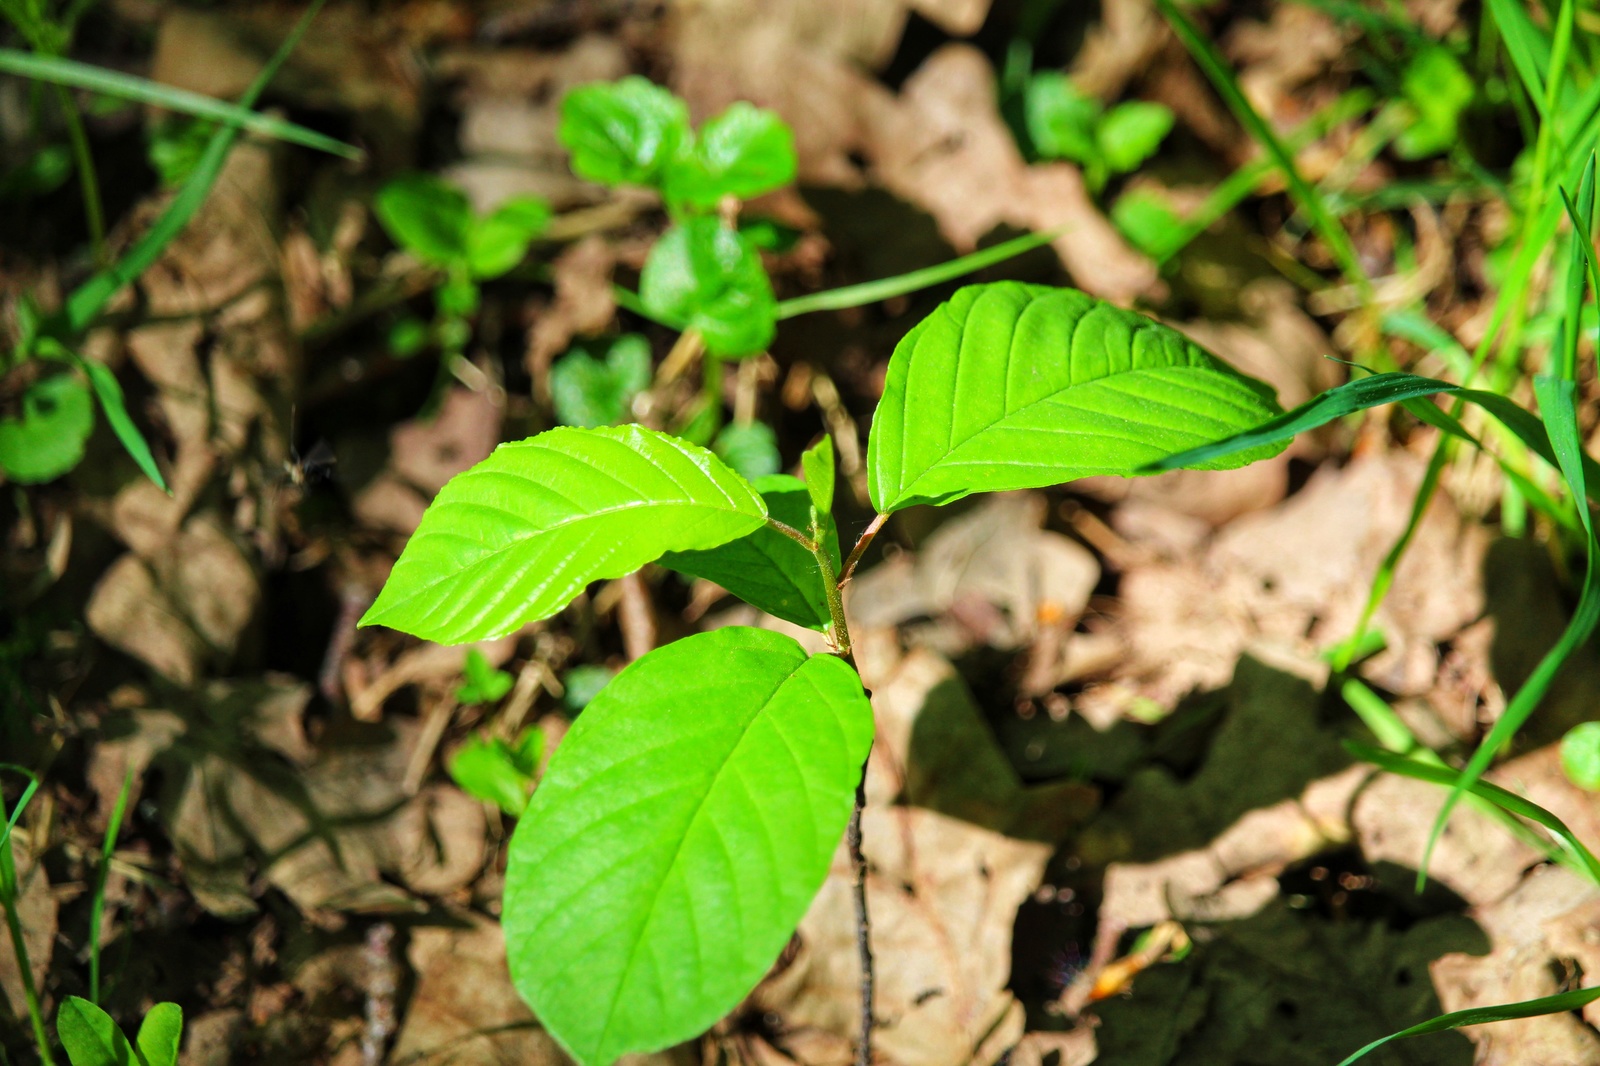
[[1072, 689]]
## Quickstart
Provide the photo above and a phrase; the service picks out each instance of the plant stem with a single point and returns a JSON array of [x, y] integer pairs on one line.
[[861, 547], [88, 181], [19, 946], [841, 640], [793, 534]]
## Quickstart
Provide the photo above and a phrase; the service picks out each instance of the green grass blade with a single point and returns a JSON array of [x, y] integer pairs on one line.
[[1531, 1008], [70, 73], [6, 870], [109, 393], [98, 904], [8, 896], [899, 285], [90, 299], [1528, 47], [1309, 200], [1502, 798], [1557, 403]]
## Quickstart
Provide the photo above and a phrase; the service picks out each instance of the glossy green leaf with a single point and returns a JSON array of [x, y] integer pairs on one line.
[[1130, 133], [1148, 221], [708, 277], [1012, 386], [46, 439], [160, 1034], [623, 132], [91, 1037], [516, 537], [498, 241], [1502, 1012], [768, 569], [750, 448], [679, 835], [599, 392], [817, 465], [426, 216], [743, 152]]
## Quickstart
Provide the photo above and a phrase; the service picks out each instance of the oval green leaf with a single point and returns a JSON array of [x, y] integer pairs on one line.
[[160, 1033], [709, 278], [1580, 756], [743, 152], [47, 440], [90, 1036], [498, 241], [682, 829], [1012, 386], [516, 537], [623, 132], [817, 465], [426, 216], [768, 569]]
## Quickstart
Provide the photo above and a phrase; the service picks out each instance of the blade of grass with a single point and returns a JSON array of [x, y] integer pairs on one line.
[[8, 903], [98, 904], [1531, 1008], [70, 73], [88, 179], [90, 299], [1217, 70], [1503, 799], [884, 288], [1528, 47]]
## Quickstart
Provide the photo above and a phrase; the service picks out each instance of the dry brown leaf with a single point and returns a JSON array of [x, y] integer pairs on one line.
[[943, 895]]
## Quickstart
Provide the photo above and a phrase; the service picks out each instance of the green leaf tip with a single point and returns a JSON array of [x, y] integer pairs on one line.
[[1014, 386], [516, 537], [682, 829]]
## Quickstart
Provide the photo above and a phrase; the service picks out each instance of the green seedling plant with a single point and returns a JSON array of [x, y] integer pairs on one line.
[[434, 221], [1063, 122], [43, 435], [692, 811], [92, 1038], [591, 388], [489, 769]]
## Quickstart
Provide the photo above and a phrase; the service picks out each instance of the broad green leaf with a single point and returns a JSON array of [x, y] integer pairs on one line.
[[817, 465], [1440, 90], [1130, 133], [47, 439], [623, 132], [582, 684], [750, 448], [91, 1037], [743, 152], [679, 835], [1503, 1012], [498, 241], [426, 216], [1012, 386], [486, 769], [768, 569], [516, 537], [1580, 756], [484, 683], [159, 1035], [594, 392], [1061, 118], [706, 276]]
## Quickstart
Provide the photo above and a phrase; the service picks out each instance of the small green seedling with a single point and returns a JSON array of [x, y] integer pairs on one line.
[[693, 809], [489, 769], [1439, 91], [751, 448], [91, 1038], [594, 391], [1580, 756], [434, 221], [705, 273], [582, 684], [484, 683], [1066, 123]]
